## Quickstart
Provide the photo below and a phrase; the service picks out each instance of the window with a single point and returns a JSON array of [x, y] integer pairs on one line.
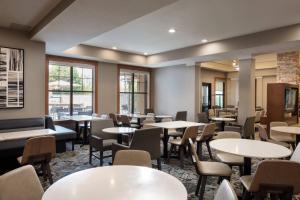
[[70, 89], [220, 93], [134, 91]]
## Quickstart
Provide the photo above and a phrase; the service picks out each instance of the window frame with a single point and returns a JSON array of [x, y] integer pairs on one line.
[[224, 91], [72, 62], [132, 70]]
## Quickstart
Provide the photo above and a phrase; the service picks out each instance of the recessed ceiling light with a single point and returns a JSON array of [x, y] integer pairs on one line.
[[204, 40], [145, 53], [115, 48], [172, 30]]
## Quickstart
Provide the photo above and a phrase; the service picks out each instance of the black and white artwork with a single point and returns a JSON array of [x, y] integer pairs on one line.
[[11, 78]]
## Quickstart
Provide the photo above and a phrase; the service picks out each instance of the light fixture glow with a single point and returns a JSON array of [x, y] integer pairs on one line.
[[172, 30], [115, 48], [145, 53], [204, 40]]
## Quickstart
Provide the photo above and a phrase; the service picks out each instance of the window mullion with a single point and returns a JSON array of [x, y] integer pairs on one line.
[[71, 90]]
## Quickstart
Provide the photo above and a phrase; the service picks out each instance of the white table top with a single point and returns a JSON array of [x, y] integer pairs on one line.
[[81, 118], [163, 116], [135, 115], [250, 148], [225, 119], [119, 130], [25, 134], [176, 124], [117, 183], [287, 129]]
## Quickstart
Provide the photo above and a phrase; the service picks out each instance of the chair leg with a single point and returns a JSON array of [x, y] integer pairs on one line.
[[73, 145], [101, 158], [241, 170], [44, 171], [49, 174], [181, 156], [209, 150], [159, 164], [198, 185], [203, 183], [91, 153]]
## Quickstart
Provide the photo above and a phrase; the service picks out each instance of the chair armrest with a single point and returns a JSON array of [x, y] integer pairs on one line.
[[117, 147], [96, 142]]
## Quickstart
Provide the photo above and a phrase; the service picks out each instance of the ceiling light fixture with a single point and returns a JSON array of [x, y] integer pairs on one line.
[[172, 30], [145, 53], [115, 48], [204, 40]]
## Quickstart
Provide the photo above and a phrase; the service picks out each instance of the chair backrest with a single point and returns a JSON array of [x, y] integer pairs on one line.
[[114, 118], [274, 124], [225, 191], [21, 184], [262, 133], [181, 116], [211, 112], [227, 134], [98, 125], [257, 116], [277, 173], [133, 157], [148, 140], [296, 155], [248, 128], [125, 120], [208, 132], [203, 117], [190, 132], [39, 146], [262, 113], [49, 123]]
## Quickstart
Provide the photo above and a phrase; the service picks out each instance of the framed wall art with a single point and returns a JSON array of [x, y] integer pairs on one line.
[[11, 78]]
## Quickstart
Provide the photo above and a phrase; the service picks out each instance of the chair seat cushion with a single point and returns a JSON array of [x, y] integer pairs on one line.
[[283, 138], [230, 159], [246, 181], [107, 144], [176, 141], [214, 169]]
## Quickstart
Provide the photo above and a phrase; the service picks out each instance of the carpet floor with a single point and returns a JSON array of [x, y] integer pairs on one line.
[[72, 161]]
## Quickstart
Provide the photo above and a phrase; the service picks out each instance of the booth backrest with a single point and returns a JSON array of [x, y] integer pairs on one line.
[[9, 125]]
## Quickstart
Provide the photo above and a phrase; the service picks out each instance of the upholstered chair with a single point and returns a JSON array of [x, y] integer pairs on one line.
[[225, 191], [133, 157], [21, 184], [206, 135], [296, 154], [281, 137], [180, 116], [264, 137]]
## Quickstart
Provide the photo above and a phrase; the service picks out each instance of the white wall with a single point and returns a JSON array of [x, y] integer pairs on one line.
[[34, 79], [175, 90]]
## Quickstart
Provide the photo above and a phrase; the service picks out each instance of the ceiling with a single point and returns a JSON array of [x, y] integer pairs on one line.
[[24, 14], [195, 20]]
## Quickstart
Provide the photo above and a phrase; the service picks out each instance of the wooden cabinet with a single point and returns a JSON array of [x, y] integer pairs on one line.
[[282, 103]]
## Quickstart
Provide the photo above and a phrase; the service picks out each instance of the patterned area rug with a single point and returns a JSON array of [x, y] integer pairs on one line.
[[73, 161]]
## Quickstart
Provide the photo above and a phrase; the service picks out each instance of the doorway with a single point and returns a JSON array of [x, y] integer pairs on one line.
[[206, 96]]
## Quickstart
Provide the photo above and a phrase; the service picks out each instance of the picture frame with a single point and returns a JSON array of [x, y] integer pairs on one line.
[[11, 77]]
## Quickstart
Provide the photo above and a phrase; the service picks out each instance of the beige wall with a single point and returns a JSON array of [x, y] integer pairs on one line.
[[175, 90], [34, 75], [108, 88]]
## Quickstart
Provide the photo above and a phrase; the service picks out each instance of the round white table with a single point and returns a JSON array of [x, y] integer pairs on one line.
[[223, 120], [289, 130], [117, 183], [119, 131], [250, 149]]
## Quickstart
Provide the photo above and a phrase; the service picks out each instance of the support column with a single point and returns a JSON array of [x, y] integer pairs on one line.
[[246, 90]]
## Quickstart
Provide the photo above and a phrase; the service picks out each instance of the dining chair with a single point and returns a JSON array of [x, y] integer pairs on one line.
[[180, 116], [230, 159], [100, 141], [206, 135], [39, 151], [133, 157], [207, 169], [264, 137], [182, 143], [203, 117], [126, 122], [225, 192], [296, 154], [21, 184], [147, 139], [281, 137], [115, 120], [247, 130], [275, 177]]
